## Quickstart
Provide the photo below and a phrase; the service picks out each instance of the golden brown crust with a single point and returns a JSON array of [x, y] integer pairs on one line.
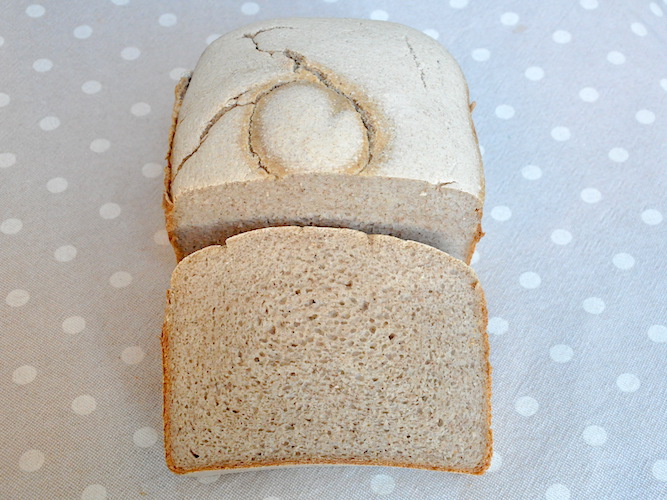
[[166, 384], [167, 202], [487, 349]]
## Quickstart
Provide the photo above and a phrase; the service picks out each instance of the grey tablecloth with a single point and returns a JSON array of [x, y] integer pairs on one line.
[[572, 118]]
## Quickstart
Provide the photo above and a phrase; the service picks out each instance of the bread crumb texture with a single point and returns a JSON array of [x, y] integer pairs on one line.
[[317, 345]]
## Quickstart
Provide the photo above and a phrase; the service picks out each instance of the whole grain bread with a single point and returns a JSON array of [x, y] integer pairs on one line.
[[306, 345], [324, 122]]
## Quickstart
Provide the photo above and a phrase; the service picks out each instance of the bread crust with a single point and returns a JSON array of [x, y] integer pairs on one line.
[[167, 202], [479, 469]]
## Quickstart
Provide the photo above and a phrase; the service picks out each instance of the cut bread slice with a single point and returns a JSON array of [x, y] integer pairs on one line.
[[324, 122], [306, 346]]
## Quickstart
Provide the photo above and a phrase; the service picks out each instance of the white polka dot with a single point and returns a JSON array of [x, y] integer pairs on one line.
[[531, 172], [94, 492], [498, 325], [593, 305], [628, 382], [382, 484], [17, 298], [561, 353], [530, 280], [615, 57], [379, 15], [31, 460], [178, 73], [140, 109], [651, 217], [589, 4], [82, 32], [561, 36], [4, 99], [623, 261], [49, 123], [659, 470], [655, 8], [162, 238], [432, 33], [11, 226], [7, 160], [526, 406], [250, 8], [145, 437], [658, 333], [24, 375], [645, 116], [639, 29], [588, 94], [481, 54], [120, 279], [534, 73], [84, 404], [212, 38], [110, 210], [501, 213], [91, 87], [35, 10], [496, 462], [509, 18], [505, 111], [561, 237], [557, 492], [42, 65], [595, 435], [130, 53], [458, 4], [120, 2], [475, 257], [56, 185], [212, 479], [590, 195], [619, 155], [152, 170], [132, 355], [561, 133], [74, 325], [65, 253], [100, 145], [167, 20]]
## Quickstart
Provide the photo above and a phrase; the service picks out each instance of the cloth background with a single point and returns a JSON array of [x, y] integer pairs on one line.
[[572, 119]]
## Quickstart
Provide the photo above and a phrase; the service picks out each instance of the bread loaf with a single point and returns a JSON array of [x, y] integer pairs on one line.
[[306, 345], [324, 122]]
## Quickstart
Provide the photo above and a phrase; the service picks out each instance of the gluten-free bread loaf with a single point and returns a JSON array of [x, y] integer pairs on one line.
[[308, 345], [324, 122]]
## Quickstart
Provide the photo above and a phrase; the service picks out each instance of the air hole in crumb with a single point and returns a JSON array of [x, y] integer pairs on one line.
[[391, 336], [194, 454]]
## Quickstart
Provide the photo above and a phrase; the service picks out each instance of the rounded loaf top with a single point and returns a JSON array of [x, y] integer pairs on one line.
[[341, 96]]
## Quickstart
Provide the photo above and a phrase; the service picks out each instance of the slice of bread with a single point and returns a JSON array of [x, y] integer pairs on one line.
[[305, 345], [324, 122]]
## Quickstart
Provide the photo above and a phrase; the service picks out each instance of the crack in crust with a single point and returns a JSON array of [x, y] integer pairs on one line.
[[300, 67], [417, 63]]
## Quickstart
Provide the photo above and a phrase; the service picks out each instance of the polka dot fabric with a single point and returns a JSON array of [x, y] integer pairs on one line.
[[571, 115]]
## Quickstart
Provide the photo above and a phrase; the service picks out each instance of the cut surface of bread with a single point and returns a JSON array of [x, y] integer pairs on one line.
[[339, 122], [307, 345]]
